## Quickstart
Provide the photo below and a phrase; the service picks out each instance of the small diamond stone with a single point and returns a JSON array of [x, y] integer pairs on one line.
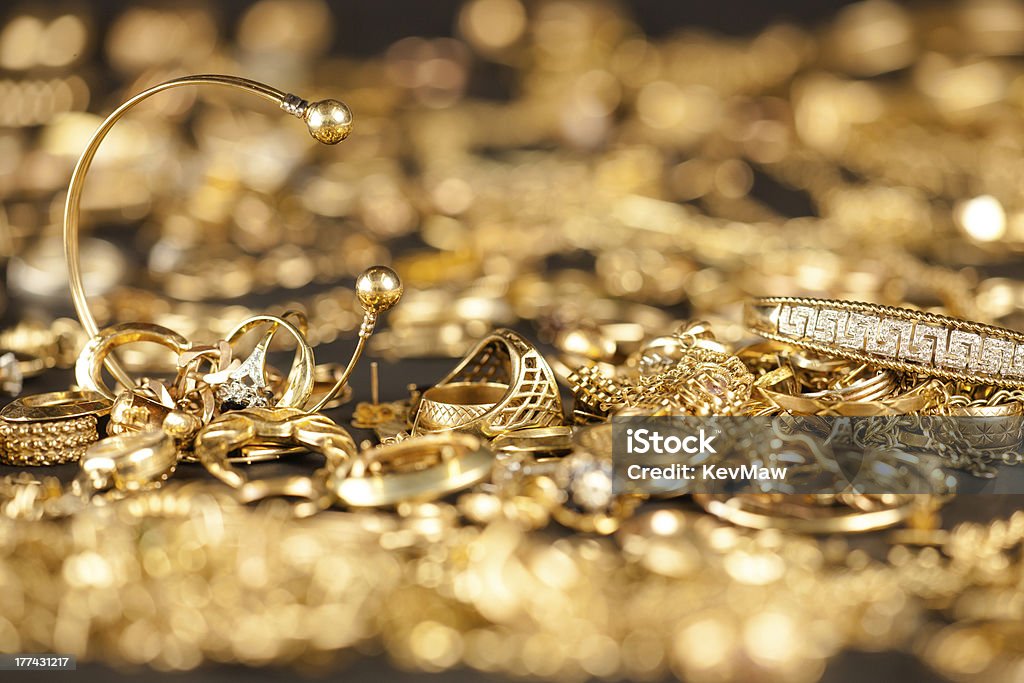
[[238, 395]]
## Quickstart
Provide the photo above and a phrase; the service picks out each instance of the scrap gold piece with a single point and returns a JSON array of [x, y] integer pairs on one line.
[[271, 427], [378, 289], [90, 364], [138, 409], [130, 462], [325, 375]]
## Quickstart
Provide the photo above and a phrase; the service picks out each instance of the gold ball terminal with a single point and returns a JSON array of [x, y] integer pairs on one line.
[[379, 288], [329, 121], [181, 425]]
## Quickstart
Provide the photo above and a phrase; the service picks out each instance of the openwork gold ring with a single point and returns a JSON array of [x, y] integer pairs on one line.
[[531, 398]]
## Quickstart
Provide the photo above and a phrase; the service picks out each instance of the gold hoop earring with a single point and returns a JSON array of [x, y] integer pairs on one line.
[[329, 121]]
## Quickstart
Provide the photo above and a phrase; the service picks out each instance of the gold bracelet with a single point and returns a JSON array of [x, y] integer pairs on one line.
[[894, 338], [50, 429]]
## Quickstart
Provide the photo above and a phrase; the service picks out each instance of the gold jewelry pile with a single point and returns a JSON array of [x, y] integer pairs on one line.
[[687, 223]]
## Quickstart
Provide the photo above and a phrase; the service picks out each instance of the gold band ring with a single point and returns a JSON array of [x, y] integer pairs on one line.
[[764, 512], [535, 441], [425, 468]]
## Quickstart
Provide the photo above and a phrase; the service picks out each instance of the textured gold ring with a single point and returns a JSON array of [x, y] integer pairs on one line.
[[50, 429], [894, 338]]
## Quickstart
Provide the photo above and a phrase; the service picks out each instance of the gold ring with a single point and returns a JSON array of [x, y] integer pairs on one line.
[[794, 514], [244, 385], [455, 405], [50, 429], [421, 469], [531, 399], [265, 427], [89, 367], [894, 338]]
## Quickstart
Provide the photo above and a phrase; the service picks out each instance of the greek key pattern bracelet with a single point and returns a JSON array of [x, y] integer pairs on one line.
[[896, 338]]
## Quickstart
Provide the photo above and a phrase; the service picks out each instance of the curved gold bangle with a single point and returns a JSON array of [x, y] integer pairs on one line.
[[329, 122], [894, 338]]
